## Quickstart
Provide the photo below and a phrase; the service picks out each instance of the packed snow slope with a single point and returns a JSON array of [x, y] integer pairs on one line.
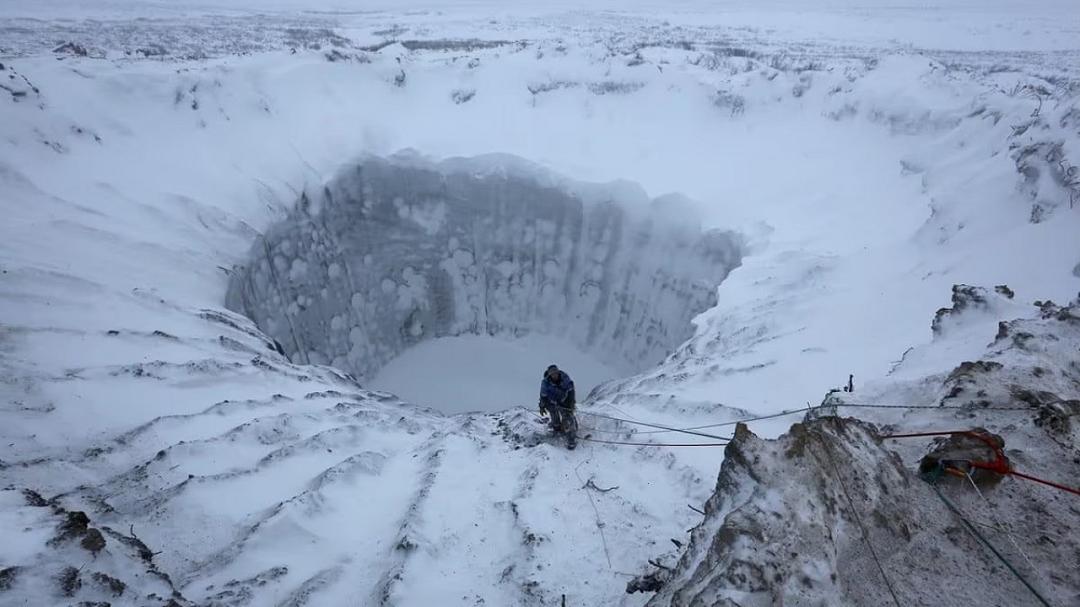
[[158, 447]]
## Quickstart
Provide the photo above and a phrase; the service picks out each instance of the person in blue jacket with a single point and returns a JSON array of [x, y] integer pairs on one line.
[[557, 400]]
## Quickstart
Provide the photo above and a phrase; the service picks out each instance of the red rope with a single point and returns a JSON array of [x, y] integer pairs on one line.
[[999, 465], [1045, 482]]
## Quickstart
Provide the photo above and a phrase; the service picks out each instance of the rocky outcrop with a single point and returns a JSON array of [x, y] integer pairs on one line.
[[832, 514], [967, 299], [827, 515], [393, 252], [785, 525], [1033, 363]]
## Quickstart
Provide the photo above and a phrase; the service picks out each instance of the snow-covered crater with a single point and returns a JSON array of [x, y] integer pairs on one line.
[[395, 252]]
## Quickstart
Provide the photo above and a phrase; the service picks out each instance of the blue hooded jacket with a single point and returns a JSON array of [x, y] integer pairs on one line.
[[559, 393]]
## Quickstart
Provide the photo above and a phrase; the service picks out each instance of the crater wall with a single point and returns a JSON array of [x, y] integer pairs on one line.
[[395, 251]]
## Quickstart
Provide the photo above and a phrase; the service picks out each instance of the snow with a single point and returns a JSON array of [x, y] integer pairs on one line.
[[23, 539], [865, 158], [477, 373]]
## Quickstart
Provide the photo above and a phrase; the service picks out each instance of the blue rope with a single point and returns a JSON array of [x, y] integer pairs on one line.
[[932, 478]]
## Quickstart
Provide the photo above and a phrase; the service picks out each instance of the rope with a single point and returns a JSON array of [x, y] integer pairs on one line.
[[919, 434], [1001, 527], [858, 519], [787, 412], [609, 442], [1045, 482], [932, 479], [866, 406], [998, 466], [730, 423], [665, 428], [599, 523], [614, 442], [621, 412]]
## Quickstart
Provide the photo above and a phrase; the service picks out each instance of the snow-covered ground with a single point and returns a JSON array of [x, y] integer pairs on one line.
[[474, 373], [865, 158]]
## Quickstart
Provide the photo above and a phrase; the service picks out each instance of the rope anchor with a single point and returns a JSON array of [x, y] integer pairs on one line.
[[999, 465]]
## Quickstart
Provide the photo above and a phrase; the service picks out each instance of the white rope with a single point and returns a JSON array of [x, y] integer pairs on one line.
[[1003, 528], [599, 523]]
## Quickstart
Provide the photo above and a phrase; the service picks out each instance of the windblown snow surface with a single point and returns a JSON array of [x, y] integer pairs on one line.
[[221, 222]]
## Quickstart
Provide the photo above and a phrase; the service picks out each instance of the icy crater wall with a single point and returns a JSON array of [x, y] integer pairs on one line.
[[393, 252]]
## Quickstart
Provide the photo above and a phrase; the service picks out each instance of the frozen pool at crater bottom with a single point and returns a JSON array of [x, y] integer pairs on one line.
[[485, 373]]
